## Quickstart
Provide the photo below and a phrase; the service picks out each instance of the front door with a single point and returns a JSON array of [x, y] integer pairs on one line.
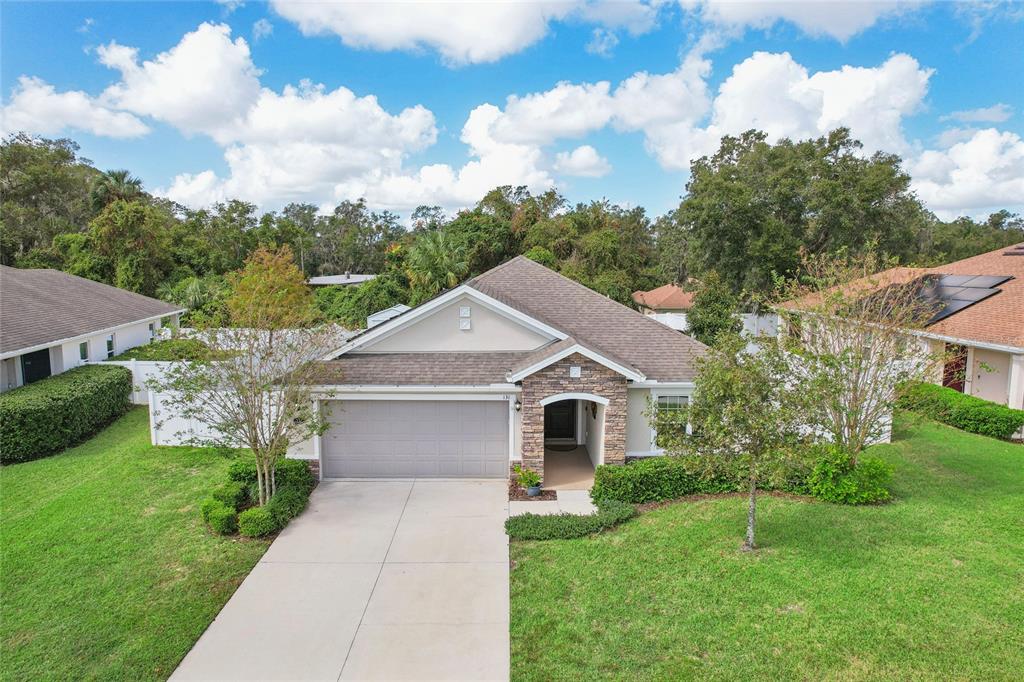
[[35, 366], [560, 419]]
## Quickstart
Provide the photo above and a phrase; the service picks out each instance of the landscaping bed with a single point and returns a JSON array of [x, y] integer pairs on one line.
[[924, 587], [517, 494], [107, 572]]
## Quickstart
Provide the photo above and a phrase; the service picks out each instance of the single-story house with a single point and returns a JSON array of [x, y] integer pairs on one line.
[[51, 321], [667, 304], [516, 365], [978, 321], [346, 279]]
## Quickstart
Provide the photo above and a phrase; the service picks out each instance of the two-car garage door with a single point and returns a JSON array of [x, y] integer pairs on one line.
[[407, 438]]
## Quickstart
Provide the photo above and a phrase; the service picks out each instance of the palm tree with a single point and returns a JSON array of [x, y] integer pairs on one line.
[[435, 262], [114, 185]]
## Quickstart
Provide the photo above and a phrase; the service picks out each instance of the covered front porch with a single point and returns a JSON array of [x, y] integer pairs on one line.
[[568, 467]]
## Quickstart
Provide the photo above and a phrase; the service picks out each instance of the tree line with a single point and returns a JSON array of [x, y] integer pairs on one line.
[[749, 214]]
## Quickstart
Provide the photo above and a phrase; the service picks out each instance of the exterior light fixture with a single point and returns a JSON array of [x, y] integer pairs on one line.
[[518, 405]]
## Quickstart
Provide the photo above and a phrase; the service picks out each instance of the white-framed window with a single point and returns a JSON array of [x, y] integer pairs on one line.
[[83, 351], [672, 403], [152, 331], [110, 346]]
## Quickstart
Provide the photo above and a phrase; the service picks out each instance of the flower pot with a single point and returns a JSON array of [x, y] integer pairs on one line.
[[533, 491]]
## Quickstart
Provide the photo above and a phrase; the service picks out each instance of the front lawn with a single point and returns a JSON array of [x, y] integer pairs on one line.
[[930, 586], [106, 571]]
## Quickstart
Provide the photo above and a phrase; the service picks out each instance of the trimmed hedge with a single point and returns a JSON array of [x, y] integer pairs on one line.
[[294, 484], [654, 479], [53, 414], [567, 526], [167, 350], [834, 479], [962, 411]]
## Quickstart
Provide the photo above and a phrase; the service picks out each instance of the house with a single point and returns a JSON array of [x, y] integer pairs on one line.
[[518, 364], [667, 304], [346, 279], [978, 321], [51, 321]]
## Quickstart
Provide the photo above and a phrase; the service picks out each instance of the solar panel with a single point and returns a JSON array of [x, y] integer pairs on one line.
[[954, 280], [987, 281]]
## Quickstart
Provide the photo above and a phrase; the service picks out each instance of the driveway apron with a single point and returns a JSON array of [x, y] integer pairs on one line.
[[397, 579]]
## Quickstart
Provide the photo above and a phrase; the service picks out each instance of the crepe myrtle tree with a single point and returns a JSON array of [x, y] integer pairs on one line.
[[848, 329], [253, 388], [745, 418]]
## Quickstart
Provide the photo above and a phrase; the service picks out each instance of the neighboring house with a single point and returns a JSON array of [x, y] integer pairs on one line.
[[978, 322], [667, 304], [519, 364], [51, 321], [338, 280]]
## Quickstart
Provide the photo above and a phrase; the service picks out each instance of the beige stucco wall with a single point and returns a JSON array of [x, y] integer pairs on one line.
[[638, 427], [594, 424], [440, 331], [990, 376]]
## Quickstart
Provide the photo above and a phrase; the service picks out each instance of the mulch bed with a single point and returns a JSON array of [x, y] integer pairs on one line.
[[516, 492]]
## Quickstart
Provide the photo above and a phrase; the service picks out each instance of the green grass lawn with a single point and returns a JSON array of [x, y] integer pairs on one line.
[[930, 586], [106, 571]]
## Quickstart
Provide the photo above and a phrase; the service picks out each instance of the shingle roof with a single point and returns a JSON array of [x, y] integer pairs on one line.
[[430, 369], [554, 348], [597, 322], [44, 306], [998, 319], [667, 297]]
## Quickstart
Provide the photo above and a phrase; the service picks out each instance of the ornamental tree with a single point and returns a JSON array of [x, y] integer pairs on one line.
[[254, 387]]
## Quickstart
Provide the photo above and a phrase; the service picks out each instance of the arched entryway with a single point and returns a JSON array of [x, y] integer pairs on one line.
[[573, 439]]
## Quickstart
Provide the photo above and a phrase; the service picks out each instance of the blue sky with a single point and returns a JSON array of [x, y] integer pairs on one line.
[[277, 102]]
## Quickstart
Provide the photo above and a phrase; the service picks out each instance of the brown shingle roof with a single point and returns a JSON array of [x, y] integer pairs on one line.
[[556, 347], [43, 306], [597, 322], [998, 319], [429, 369], [667, 297]]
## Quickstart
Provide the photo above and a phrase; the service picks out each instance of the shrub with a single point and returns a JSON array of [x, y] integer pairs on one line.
[[220, 517], [836, 479], [655, 479], [962, 411], [287, 503], [53, 414], [566, 526], [288, 472], [527, 478], [231, 493], [169, 350], [257, 522]]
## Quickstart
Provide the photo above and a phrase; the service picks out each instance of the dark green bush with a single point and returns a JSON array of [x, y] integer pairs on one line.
[[836, 479], [962, 411], [232, 494], [51, 415], [288, 472], [257, 522], [566, 526], [287, 503], [168, 350], [654, 479], [220, 517]]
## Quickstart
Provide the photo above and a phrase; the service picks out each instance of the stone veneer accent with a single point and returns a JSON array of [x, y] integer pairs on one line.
[[554, 379]]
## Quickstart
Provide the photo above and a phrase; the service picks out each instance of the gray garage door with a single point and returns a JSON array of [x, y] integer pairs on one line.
[[404, 438]]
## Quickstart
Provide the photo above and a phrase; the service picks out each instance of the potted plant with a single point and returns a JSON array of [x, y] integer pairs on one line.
[[528, 479]]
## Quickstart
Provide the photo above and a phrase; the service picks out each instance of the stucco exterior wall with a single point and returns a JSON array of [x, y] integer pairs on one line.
[[638, 426], [990, 375], [595, 379], [441, 331]]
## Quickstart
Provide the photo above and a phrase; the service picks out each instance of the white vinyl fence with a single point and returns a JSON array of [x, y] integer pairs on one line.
[[142, 372]]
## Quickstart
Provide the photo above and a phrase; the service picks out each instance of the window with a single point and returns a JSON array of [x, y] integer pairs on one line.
[[83, 351], [110, 346], [152, 331], [671, 403], [670, 417]]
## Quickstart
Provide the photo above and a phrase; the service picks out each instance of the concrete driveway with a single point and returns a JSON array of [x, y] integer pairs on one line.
[[375, 580]]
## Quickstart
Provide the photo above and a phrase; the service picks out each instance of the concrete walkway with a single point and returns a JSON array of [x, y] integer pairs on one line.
[[376, 580]]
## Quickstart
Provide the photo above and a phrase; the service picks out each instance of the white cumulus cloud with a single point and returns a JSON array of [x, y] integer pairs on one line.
[[997, 113], [36, 107], [584, 162]]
